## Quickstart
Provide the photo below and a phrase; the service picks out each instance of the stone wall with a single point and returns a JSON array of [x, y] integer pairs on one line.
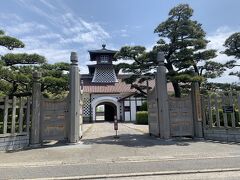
[[14, 142], [222, 134]]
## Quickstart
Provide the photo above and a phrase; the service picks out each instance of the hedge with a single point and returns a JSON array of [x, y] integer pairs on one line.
[[142, 117]]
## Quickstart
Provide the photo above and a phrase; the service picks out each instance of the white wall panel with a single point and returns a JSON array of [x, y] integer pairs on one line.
[[139, 103], [126, 103], [127, 116], [133, 110]]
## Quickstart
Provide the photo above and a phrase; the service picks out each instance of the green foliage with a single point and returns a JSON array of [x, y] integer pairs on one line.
[[208, 88], [183, 42], [55, 79], [212, 69], [144, 106], [142, 117], [16, 72], [140, 68], [10, 42], [232, 45], [14, 59]]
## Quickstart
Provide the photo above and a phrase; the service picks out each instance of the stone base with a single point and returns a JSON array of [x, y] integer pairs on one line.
[[11, 143], [35, 145], [76, 143], [222, 134]]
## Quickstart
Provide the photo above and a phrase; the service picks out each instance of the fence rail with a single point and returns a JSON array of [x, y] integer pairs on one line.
[[221, 110], [14, 116]]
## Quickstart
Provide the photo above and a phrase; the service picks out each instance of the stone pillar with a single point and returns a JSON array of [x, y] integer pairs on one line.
[[162, 98], [74, 107], [197, 111], [35, 139]]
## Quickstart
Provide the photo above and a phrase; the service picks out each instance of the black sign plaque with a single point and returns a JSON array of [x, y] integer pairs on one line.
[[227, 109]]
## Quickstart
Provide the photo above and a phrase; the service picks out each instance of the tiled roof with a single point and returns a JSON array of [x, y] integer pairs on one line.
[[103, 50], [106, 51], [119, 87]]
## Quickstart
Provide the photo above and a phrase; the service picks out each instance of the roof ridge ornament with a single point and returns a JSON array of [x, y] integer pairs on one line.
[[103, 46]]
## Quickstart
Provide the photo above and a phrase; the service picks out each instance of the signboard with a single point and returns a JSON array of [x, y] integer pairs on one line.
[[227, 109]]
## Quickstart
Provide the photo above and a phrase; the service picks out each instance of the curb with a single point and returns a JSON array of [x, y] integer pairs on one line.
[[144, 174]]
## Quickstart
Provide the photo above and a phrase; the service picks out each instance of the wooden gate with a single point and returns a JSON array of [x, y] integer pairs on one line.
[[54, 119], [181, 116]]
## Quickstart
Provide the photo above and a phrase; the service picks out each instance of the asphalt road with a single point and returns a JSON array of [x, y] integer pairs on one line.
[[134, 154], [148, 167]]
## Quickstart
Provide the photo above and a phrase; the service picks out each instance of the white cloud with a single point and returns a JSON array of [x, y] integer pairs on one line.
[[62, 33], [217, 40], [7, 16], [49, 5], [24, 28]]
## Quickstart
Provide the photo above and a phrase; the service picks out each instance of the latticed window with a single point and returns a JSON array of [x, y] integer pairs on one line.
[[104, 59]]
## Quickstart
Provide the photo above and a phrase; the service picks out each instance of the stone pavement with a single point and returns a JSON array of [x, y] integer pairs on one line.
[[100, 153]]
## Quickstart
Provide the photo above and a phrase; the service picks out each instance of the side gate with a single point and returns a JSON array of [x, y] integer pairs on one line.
[[54, 115], [181, 116]]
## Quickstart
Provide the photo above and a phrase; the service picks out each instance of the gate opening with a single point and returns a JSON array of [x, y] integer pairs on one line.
[[106, 112]]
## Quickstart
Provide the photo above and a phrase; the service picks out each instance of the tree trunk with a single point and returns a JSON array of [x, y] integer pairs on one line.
[[175, 84], [14, 88], [176, 89]]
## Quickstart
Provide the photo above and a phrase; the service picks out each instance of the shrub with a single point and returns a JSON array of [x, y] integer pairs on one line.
[[142, 117]]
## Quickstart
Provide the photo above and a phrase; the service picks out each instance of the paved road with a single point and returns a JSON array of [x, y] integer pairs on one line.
[[134, 153]]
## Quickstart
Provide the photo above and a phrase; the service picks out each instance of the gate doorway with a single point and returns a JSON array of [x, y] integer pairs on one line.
[[106, 112]]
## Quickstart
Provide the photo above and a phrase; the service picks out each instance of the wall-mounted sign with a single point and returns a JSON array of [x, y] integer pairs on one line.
[[228, 109]]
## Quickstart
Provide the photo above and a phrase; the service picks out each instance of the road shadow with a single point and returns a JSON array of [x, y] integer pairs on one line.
[[138, 141]]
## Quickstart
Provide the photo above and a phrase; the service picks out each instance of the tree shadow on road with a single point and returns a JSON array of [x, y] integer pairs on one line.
[[138, 140]]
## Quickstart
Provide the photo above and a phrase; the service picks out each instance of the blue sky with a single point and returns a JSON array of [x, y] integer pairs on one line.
[[54, 28]]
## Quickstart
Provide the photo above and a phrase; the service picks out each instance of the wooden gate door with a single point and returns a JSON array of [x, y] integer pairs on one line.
[[53, 119], [181, 116]]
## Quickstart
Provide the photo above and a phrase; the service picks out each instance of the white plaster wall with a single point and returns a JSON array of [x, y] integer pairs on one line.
[[126, 103], [127, 116], [139, 102], [133, 110]]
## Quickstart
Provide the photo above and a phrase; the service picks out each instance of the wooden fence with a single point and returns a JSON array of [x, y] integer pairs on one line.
[[221, 116], [221, 110], [14, 116]]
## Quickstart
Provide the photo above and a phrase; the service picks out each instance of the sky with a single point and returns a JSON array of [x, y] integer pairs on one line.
[[55, 28]]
